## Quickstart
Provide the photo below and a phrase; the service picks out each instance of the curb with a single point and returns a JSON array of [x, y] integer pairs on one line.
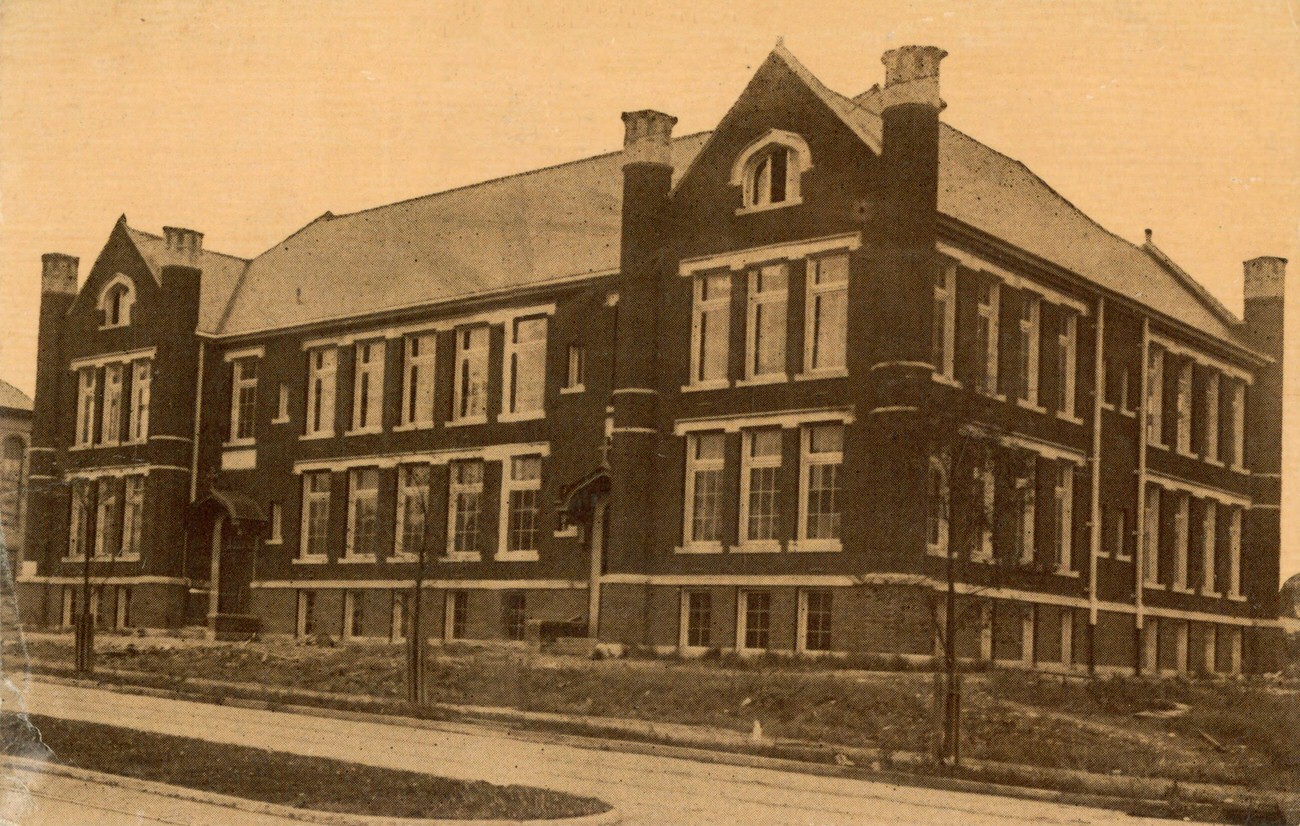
[[613, 816], [1243, 806]]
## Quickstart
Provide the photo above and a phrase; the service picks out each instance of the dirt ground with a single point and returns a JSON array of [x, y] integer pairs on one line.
[[1231, 731]]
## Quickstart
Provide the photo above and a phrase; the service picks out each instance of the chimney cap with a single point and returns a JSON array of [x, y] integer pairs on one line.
[[183, 239], [59, 273], [648, 137], [1263, 277], [912, 76]]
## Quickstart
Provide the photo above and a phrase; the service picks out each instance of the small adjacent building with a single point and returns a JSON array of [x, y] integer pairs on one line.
[[755, 389], [15, 436]]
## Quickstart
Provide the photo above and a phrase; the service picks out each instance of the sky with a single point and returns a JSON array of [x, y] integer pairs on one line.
[[245, 120]]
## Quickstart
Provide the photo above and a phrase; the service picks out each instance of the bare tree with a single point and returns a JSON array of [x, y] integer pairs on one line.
[[961, 519]]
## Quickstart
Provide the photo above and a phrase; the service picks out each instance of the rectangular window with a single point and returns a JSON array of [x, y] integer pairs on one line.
[[111, 425], [576, 368], [282, 404], [69, 597], [1155, 394], [132, 515], [1181, 539], [704, 462], [826, 317], [944, 322], [456, 621], [986, 334], [1151, 537], [86, 392], [820, 487], [321, 373], [417, 380], [1027, 489], [1121, 534], [765, 325], [514, 616], [354, 614], [522, 499], [985, 492], [397, 622], [760, 475], [815, 620], [108, 519], [1151, 646], [412, 512], [526, 355], [138, 422], [243, 399], [470, 402], [1210, 655], [1067, 356], [1209, 546], [697, 618], [315, 514], [1211, 451], [79, 520], [1067, 637], [1030, 344], [368, 387], [1064, 516], [1234, 553], [306, 613], [710, 328], [1234, 649], [1238, 425], [465, 497], [936, 508], [1180, 647], [276, 517], [755, 617], [363, 493], [1184, 402]]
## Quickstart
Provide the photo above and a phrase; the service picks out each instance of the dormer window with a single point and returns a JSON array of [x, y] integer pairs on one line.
[[116, 302], [769, 171]]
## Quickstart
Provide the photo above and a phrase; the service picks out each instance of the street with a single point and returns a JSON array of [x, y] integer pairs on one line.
[[646, 789]]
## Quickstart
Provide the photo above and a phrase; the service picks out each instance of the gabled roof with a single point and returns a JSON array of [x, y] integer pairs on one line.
[[11, 398], [563, 221], [522, 230], [220, 271]]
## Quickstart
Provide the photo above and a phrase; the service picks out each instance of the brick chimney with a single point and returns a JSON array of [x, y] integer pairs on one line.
[[905, 232], [185, 241], [1263, 287], [647, 266], [53, 381]]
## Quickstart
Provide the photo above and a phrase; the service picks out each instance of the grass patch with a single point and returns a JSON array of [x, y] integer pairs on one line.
[[278, 777], [1008, 715]]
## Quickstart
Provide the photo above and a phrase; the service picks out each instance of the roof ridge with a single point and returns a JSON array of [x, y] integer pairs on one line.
[[202, 251], [1042, 181], [1188, 280], [499, 179]]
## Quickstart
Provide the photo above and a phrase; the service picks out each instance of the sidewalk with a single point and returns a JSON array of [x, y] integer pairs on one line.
[[1151, 796], [646, 788]]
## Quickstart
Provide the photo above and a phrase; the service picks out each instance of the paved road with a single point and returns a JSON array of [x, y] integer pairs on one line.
[[35, 799], [648, 789]]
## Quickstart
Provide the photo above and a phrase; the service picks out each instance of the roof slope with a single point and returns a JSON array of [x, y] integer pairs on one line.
[[517, 231], [220, 272], [12, 398], [561, 221]]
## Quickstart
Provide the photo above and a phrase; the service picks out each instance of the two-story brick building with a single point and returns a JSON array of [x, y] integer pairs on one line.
[[750, 389]]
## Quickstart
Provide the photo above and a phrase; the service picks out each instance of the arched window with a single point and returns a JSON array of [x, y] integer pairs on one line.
[[116, 302], [936, 508], [770, 171]]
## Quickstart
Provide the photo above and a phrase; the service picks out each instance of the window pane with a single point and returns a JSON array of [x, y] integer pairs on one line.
[[758, 614], [817, 634], [764, 516], [823, 502], [827, 438]]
